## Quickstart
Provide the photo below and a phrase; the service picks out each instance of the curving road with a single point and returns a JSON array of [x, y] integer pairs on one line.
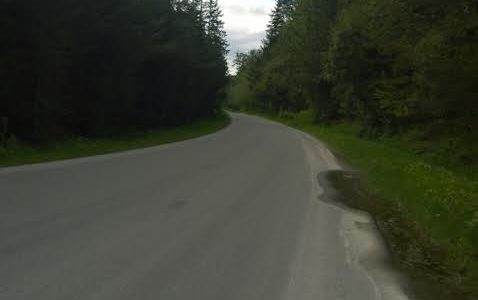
[[233, 215]]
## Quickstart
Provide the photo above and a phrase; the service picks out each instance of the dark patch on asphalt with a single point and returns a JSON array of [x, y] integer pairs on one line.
[[207, 167], [342, 188], [177, 205]]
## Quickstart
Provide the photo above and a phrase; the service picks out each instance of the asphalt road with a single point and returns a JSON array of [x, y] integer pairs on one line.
[[233, 215]]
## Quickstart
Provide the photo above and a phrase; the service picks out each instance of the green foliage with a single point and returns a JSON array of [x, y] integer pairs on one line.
[[442, 205], [98, 67], [406, 73], [281, 14], [19, 154], [393, 65], [288, 70]]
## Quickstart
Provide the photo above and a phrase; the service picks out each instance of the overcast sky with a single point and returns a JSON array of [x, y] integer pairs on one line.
[[245, 23]]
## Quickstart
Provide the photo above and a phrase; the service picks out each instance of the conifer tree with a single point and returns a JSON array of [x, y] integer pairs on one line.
[[281, 13], [215, 26]]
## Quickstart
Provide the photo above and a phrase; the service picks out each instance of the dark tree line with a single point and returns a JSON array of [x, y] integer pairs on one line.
[[101, 67], [392, 65]]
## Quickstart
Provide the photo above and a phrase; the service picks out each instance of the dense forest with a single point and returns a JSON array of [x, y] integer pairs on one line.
[[95, 68], [393, 66]]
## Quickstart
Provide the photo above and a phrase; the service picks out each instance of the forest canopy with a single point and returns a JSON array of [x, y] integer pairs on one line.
[[393, 66], [101, 67]]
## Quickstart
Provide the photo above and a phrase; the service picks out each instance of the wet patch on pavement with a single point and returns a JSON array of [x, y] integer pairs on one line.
[[177, 205], [410, 251]]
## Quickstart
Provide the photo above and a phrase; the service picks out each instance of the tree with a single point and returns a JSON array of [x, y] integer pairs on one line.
[[99, 67], [215, 26], [392, 65], [281, 14]]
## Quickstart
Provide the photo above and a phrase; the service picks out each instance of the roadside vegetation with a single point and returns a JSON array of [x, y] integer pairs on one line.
[[19, 154], [391, 86], [427, 213], [98, 69], [391, 66]]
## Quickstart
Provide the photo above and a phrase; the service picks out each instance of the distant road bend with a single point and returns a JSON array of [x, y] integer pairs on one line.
[[233, 215]]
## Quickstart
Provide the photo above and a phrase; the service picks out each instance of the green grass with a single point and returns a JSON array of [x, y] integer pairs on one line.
[[80, 147], [440, 205]]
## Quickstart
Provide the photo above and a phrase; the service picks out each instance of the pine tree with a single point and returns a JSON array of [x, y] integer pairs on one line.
[[282, 13], [215, 26], [99, 67]]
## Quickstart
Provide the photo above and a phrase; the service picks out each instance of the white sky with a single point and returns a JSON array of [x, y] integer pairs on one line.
[[245, 24]]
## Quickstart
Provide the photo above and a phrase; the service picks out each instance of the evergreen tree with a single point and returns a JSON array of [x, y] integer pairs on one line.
[[215, 25], [281, 14], [392, 65], [100, 67]]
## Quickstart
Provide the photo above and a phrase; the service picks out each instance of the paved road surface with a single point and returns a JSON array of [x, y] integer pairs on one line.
[[233, 215]]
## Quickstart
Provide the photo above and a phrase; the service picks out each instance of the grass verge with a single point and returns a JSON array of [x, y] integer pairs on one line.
[[427, 213], [80, 147]]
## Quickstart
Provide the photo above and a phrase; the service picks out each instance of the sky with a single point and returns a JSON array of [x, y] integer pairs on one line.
[[245, 24]]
